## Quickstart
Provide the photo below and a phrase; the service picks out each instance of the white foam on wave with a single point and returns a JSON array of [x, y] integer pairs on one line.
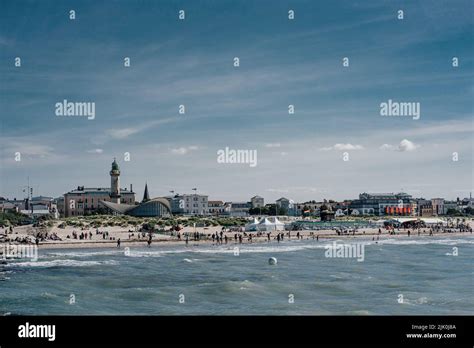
[[260, 248], [229, 249], [62, 263], [283, 247], [84, 253], [425, 241]]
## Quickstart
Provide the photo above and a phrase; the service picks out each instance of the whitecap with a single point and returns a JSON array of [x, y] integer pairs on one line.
[[62, 263]]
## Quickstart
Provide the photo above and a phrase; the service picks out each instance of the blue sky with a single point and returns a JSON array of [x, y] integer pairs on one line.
[[282, 62]]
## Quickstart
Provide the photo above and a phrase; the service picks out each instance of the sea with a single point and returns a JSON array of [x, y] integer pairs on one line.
[[398, 276]]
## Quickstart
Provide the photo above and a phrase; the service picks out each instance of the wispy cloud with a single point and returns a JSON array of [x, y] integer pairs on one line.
[[122, 133], [343, 147], [184, 150], [96, 151]]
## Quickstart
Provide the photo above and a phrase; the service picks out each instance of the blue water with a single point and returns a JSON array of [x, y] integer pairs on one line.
[[215, 281]]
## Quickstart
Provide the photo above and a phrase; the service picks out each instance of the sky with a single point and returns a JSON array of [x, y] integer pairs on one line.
[[335, 145]]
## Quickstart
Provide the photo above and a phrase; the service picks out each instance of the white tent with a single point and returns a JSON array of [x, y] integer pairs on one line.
[[267, 225], [252, 226]]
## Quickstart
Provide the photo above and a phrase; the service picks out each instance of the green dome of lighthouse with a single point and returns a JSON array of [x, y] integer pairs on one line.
[[115, 166]]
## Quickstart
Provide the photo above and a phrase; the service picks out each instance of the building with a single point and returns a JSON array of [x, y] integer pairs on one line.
[[438, 206], [425, 210], [326, 213], [156, 207], [283, 203], [189, 204], [60, 204], [257, 202], [287, 205], [237, 209], [86, 200], [216, 208], [308, 208], [380, 204], [451, 205], [424, 207], [42, 205], [19, 205], [148, 207], [8, 207]]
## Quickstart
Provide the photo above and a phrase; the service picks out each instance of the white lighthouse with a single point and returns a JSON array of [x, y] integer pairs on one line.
[[115, 183]]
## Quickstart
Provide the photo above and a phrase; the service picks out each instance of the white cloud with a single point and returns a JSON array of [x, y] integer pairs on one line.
[[122, 133], [30, 150], [271, 145], [96, 151], [343, 147], [184, 150], [404, 146], [407, 146], [387, 147]]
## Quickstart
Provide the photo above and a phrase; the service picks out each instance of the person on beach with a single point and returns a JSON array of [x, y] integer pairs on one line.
[[118, 243], [240, 239], [187, 239], [317, 238], [213, 238], [225, 237], [278, 237]]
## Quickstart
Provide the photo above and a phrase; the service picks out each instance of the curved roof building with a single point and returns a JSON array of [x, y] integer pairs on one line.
[[158, 206], [154, 207]]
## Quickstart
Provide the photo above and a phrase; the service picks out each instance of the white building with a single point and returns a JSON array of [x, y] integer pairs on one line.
[[216, 208], [189, 204], [237, 208]]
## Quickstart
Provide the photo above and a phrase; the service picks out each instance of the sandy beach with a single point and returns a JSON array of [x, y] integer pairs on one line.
[[95, 239]]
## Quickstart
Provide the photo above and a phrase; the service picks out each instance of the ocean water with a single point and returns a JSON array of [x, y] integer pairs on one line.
[[212, 280]]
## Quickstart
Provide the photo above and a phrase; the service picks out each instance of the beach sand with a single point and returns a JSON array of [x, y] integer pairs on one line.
[[116, 232]]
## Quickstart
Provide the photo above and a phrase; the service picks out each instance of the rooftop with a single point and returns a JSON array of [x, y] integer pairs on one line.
[[82, 189]]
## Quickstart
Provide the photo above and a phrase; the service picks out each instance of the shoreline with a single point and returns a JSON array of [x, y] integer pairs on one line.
[[73, 237], [256, 240]]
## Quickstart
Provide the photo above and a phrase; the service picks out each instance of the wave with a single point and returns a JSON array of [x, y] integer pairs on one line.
[[283, 247], [84, 253], [425, 241], [62, 263]]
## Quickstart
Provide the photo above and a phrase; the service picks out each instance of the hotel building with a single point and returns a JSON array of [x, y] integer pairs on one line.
[[384, 204], [86, 200]]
